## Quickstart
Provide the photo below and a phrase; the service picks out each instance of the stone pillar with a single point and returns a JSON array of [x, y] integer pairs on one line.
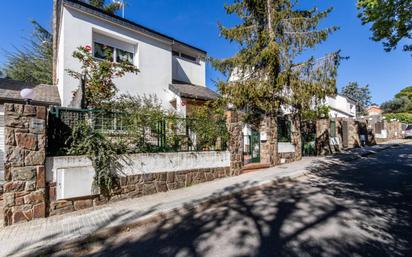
[[323, 137], [297, 136], [235, 142], [269, 147], [25, 175]]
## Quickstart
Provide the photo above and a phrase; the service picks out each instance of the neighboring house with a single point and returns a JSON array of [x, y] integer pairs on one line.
[[172, 70], [341, 107], [10, 93], [374, 109]]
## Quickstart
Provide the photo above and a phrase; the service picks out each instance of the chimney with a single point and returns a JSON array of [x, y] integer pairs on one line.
[[55, 28]]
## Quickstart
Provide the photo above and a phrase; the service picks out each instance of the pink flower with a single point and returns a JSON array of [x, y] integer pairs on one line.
[[88, 48]]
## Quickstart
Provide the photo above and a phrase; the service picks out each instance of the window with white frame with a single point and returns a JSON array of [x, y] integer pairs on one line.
[[107, 52]]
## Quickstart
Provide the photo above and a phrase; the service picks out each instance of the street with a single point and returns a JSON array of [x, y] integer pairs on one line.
[[358, 208]]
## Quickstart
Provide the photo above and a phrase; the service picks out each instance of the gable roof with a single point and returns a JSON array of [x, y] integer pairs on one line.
[[44, 94], [82, 6], [191, 91]]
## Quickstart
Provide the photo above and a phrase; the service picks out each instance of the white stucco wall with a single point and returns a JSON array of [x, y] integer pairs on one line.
[[145, 162], [340, 107], [284, 147], [153, 57], [188, 71]]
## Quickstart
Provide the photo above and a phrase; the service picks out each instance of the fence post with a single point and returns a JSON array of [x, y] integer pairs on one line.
[[25, 175]]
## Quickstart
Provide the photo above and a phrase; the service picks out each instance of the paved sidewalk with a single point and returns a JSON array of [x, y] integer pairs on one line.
[[26, 238]]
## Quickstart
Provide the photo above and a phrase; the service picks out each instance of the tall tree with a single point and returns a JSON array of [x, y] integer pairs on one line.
[[32, 63], [360, 94], [407, 92], [397, 105], [391, 21], [272, 34]]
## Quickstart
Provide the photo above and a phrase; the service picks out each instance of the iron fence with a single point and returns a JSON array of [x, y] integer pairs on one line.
[[139, 132]]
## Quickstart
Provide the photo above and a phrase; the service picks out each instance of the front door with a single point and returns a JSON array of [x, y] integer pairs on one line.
[[255, 147]]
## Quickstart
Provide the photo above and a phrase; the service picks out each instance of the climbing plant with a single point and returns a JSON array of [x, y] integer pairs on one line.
[[97, 76], [103, 153]]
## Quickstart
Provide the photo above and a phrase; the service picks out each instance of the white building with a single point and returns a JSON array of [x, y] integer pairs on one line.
[[341, 107], [170, 69]]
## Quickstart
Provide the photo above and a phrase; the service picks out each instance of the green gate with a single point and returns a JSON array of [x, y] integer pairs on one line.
[[255, 147], [308, 130]]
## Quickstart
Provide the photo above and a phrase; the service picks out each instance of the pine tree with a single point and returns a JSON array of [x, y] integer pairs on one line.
[[271, 37]]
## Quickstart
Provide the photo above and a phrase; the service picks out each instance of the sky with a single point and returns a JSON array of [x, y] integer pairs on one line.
[[195, 22]]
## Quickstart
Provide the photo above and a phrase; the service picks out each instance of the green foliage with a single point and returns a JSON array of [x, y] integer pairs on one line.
[[391, 21], [143, 117], [402, 117], [101, 4], [360, 94], [32, 63], [102, 152], [406, 92], [397, 105], [271, 35], [320, 112], [208, 122], [98, 77]]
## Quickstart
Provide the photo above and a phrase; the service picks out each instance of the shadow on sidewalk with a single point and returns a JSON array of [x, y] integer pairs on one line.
[[361, 208]]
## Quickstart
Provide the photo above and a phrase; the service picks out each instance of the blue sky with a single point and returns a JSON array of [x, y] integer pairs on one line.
[[195, 22]]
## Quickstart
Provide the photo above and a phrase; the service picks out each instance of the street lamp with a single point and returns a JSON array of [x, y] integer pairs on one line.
[[27, 94], [121, 3]]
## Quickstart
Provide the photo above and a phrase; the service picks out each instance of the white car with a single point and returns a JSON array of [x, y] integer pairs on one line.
[[408, 131]]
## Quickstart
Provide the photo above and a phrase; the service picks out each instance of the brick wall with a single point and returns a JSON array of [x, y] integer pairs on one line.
[[24, 188]]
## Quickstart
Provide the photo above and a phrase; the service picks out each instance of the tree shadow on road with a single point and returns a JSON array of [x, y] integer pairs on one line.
[[360, 208]]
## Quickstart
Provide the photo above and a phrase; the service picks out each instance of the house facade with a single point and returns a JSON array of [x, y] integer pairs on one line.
[[374, 109], [341, 107], [168, 68]]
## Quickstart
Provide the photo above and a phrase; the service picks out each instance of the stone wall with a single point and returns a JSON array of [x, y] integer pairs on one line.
[[235, 126], [137, 186], [269, 147], [25, 185]]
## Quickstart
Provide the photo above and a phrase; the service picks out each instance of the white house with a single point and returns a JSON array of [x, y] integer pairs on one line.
[[341, 107], [170, 69]]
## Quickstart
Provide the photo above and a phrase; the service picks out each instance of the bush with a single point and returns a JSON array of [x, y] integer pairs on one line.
[[402, 117]]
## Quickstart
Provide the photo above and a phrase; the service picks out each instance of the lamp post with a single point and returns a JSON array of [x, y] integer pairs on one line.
[[27, 94]]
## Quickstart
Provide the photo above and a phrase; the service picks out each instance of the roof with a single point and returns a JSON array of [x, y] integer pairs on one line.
[[192, 91], [123, 22], [44, 94]]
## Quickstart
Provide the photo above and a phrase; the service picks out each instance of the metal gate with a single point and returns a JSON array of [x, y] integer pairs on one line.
[[251, 147], [308, 129]]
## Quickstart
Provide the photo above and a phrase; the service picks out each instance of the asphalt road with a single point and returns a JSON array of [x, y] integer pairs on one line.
[[361, 208]]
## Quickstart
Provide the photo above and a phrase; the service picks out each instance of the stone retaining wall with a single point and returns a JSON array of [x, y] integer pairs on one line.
[[137, 186]]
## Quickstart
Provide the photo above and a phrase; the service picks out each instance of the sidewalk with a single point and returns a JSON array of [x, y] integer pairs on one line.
[[26, 238]]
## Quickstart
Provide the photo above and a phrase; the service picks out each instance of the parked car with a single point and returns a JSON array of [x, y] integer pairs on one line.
[[408, 131]]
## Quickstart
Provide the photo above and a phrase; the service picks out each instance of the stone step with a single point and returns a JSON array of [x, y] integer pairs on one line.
[[254, 166]]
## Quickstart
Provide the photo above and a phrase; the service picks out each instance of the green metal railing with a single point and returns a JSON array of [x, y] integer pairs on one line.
[[142, 133]]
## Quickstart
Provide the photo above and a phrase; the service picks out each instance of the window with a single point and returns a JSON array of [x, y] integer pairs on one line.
[[124, 56], [284, 130], [105, 52], [332, 127]]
